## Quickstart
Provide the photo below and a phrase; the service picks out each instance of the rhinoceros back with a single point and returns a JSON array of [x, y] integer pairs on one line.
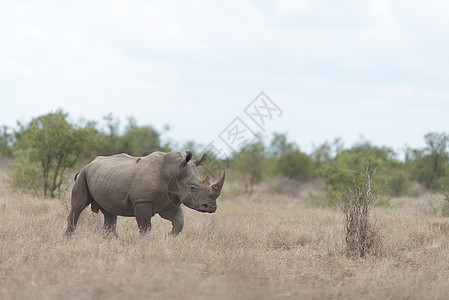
[[115, 181], [110, 178]]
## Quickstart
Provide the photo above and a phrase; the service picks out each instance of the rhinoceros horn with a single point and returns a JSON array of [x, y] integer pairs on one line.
[[200, 160], [216, 188]]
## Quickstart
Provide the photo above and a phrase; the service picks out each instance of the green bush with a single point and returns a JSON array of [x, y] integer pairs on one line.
[[288, 160], [295, 165], [348, 164], [344, 169], [397, 181], [27, 173]]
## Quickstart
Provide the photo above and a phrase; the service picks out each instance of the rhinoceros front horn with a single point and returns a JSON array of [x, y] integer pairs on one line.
[[216, 188]]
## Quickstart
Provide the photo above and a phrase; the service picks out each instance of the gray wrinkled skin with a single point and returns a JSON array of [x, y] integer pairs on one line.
[[122, 185]]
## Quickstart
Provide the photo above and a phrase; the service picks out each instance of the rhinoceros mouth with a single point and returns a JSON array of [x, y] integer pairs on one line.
[[204, 208], [207, 208]]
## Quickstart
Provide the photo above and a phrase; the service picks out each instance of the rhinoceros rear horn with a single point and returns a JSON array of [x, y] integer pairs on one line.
[[200, 160], [216, 188]]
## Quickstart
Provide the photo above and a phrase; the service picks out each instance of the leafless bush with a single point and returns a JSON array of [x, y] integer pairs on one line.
[[361, 236]]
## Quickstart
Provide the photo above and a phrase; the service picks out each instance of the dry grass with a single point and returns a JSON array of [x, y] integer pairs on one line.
[[263, 246]]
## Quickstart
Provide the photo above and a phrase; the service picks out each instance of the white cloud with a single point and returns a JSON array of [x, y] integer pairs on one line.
[[381, 9], [431, 111], [293, 6], [16, 69]]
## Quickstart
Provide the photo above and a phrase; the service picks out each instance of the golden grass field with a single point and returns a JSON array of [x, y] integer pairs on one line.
[[255, 247]]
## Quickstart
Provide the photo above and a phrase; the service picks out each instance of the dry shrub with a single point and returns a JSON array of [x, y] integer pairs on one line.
[[360, 232]]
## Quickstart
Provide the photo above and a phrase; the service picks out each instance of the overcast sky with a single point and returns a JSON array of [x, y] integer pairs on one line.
[[330, 68]]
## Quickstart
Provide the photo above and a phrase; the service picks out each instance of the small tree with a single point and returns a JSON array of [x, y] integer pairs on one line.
[[326, 152], [140, 140], [279, 145], [250, 162], [438, 156], [136, 140], [357, 204], [6, 140], [45, 148], [429, 166], [288, 160], [111, 137]]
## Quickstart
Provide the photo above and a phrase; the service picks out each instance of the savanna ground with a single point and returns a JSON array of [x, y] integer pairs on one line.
[[260, 246]]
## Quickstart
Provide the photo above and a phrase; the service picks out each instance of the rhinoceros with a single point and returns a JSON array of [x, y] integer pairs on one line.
[[123, 185]]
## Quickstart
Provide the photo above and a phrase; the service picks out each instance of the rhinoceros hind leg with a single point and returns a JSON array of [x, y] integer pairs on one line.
[[176, 216], [81, 198], [72, 219]]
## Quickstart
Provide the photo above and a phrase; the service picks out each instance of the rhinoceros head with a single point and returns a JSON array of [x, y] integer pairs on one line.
[[193, 191]]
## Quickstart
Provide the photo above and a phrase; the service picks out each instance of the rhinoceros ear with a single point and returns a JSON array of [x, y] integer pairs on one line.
[[200, 160], [184, 162]]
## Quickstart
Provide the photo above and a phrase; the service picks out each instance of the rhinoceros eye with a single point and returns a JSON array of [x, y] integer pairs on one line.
[[192, 187]]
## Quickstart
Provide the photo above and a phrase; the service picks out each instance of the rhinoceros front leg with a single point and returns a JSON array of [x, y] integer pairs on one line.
[[176, 216], [110, 222], [143, 210]]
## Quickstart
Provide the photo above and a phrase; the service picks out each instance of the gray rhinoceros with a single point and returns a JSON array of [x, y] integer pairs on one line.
[[122, 185]]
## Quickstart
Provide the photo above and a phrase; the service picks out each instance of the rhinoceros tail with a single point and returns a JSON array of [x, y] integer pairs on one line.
[[76, 175]]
